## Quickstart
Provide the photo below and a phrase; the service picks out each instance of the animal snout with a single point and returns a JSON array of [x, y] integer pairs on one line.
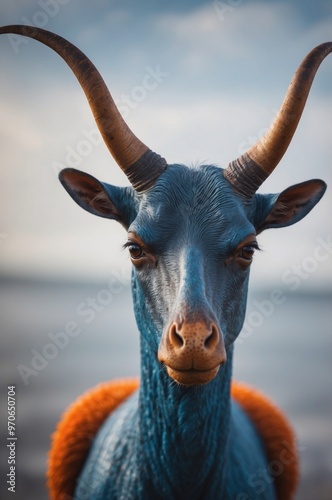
[[193, 338], [192, 351]]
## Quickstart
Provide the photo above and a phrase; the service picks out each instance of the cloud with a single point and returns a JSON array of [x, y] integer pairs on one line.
[[252, 46], [228, 32], [226, 80]]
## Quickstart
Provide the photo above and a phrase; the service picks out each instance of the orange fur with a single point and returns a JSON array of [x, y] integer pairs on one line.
[[76, 430], [277, 436], [79, 424]]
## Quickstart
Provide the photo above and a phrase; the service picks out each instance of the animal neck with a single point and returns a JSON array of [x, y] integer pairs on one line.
[[183, 429]]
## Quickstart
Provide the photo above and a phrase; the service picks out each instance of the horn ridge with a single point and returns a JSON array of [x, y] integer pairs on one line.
[[149, 167], [244, 174], [269, 149], [124, 146]]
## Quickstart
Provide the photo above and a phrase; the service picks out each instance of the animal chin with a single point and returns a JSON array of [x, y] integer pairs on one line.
[[192, 376]]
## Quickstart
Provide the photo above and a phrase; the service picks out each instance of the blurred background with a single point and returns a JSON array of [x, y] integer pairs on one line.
[[218, 72]]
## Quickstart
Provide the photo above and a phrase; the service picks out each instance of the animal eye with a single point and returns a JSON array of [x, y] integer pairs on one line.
[[136, 252], [247, 252]]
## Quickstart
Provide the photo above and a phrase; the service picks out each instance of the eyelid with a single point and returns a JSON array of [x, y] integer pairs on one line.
[[141, 245], [134, 239], [130, 242], [145, 257], [249, 241], [253, 244]]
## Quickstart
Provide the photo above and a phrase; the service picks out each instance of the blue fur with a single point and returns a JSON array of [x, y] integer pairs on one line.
[[170, 441]]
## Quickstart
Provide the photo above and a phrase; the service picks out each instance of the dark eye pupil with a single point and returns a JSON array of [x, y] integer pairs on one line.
[[135, 251], [247, 252]]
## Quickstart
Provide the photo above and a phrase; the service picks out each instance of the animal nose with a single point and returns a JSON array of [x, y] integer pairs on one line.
[[192, 351], [195, 338]]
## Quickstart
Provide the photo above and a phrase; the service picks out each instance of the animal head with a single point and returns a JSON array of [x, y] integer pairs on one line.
[[191, 231], [191, 239]]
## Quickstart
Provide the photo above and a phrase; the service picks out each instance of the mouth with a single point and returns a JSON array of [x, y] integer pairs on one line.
[[192, 377]]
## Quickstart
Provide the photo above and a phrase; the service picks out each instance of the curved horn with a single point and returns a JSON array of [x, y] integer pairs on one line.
[[138, 162], [251, 169]]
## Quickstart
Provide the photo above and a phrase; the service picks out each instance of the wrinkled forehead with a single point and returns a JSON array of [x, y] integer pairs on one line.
[[196, 202]]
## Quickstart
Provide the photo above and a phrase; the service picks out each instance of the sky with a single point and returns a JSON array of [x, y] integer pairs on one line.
[[222, 71]]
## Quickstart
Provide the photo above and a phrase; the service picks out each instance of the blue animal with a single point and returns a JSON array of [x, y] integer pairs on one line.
[[192, 234]]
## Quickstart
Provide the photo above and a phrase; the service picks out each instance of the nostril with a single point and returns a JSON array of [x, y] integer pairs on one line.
[[179, 340], [212, 339], [175, 337]]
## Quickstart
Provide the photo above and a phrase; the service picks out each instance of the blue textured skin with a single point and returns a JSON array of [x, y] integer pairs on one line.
[[192, 444], [171, 441]]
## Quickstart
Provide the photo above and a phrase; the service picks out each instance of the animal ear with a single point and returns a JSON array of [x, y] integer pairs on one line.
[[99, 198], [291, 205]]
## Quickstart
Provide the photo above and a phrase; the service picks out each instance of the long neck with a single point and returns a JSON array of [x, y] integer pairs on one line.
[[183, 430]]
